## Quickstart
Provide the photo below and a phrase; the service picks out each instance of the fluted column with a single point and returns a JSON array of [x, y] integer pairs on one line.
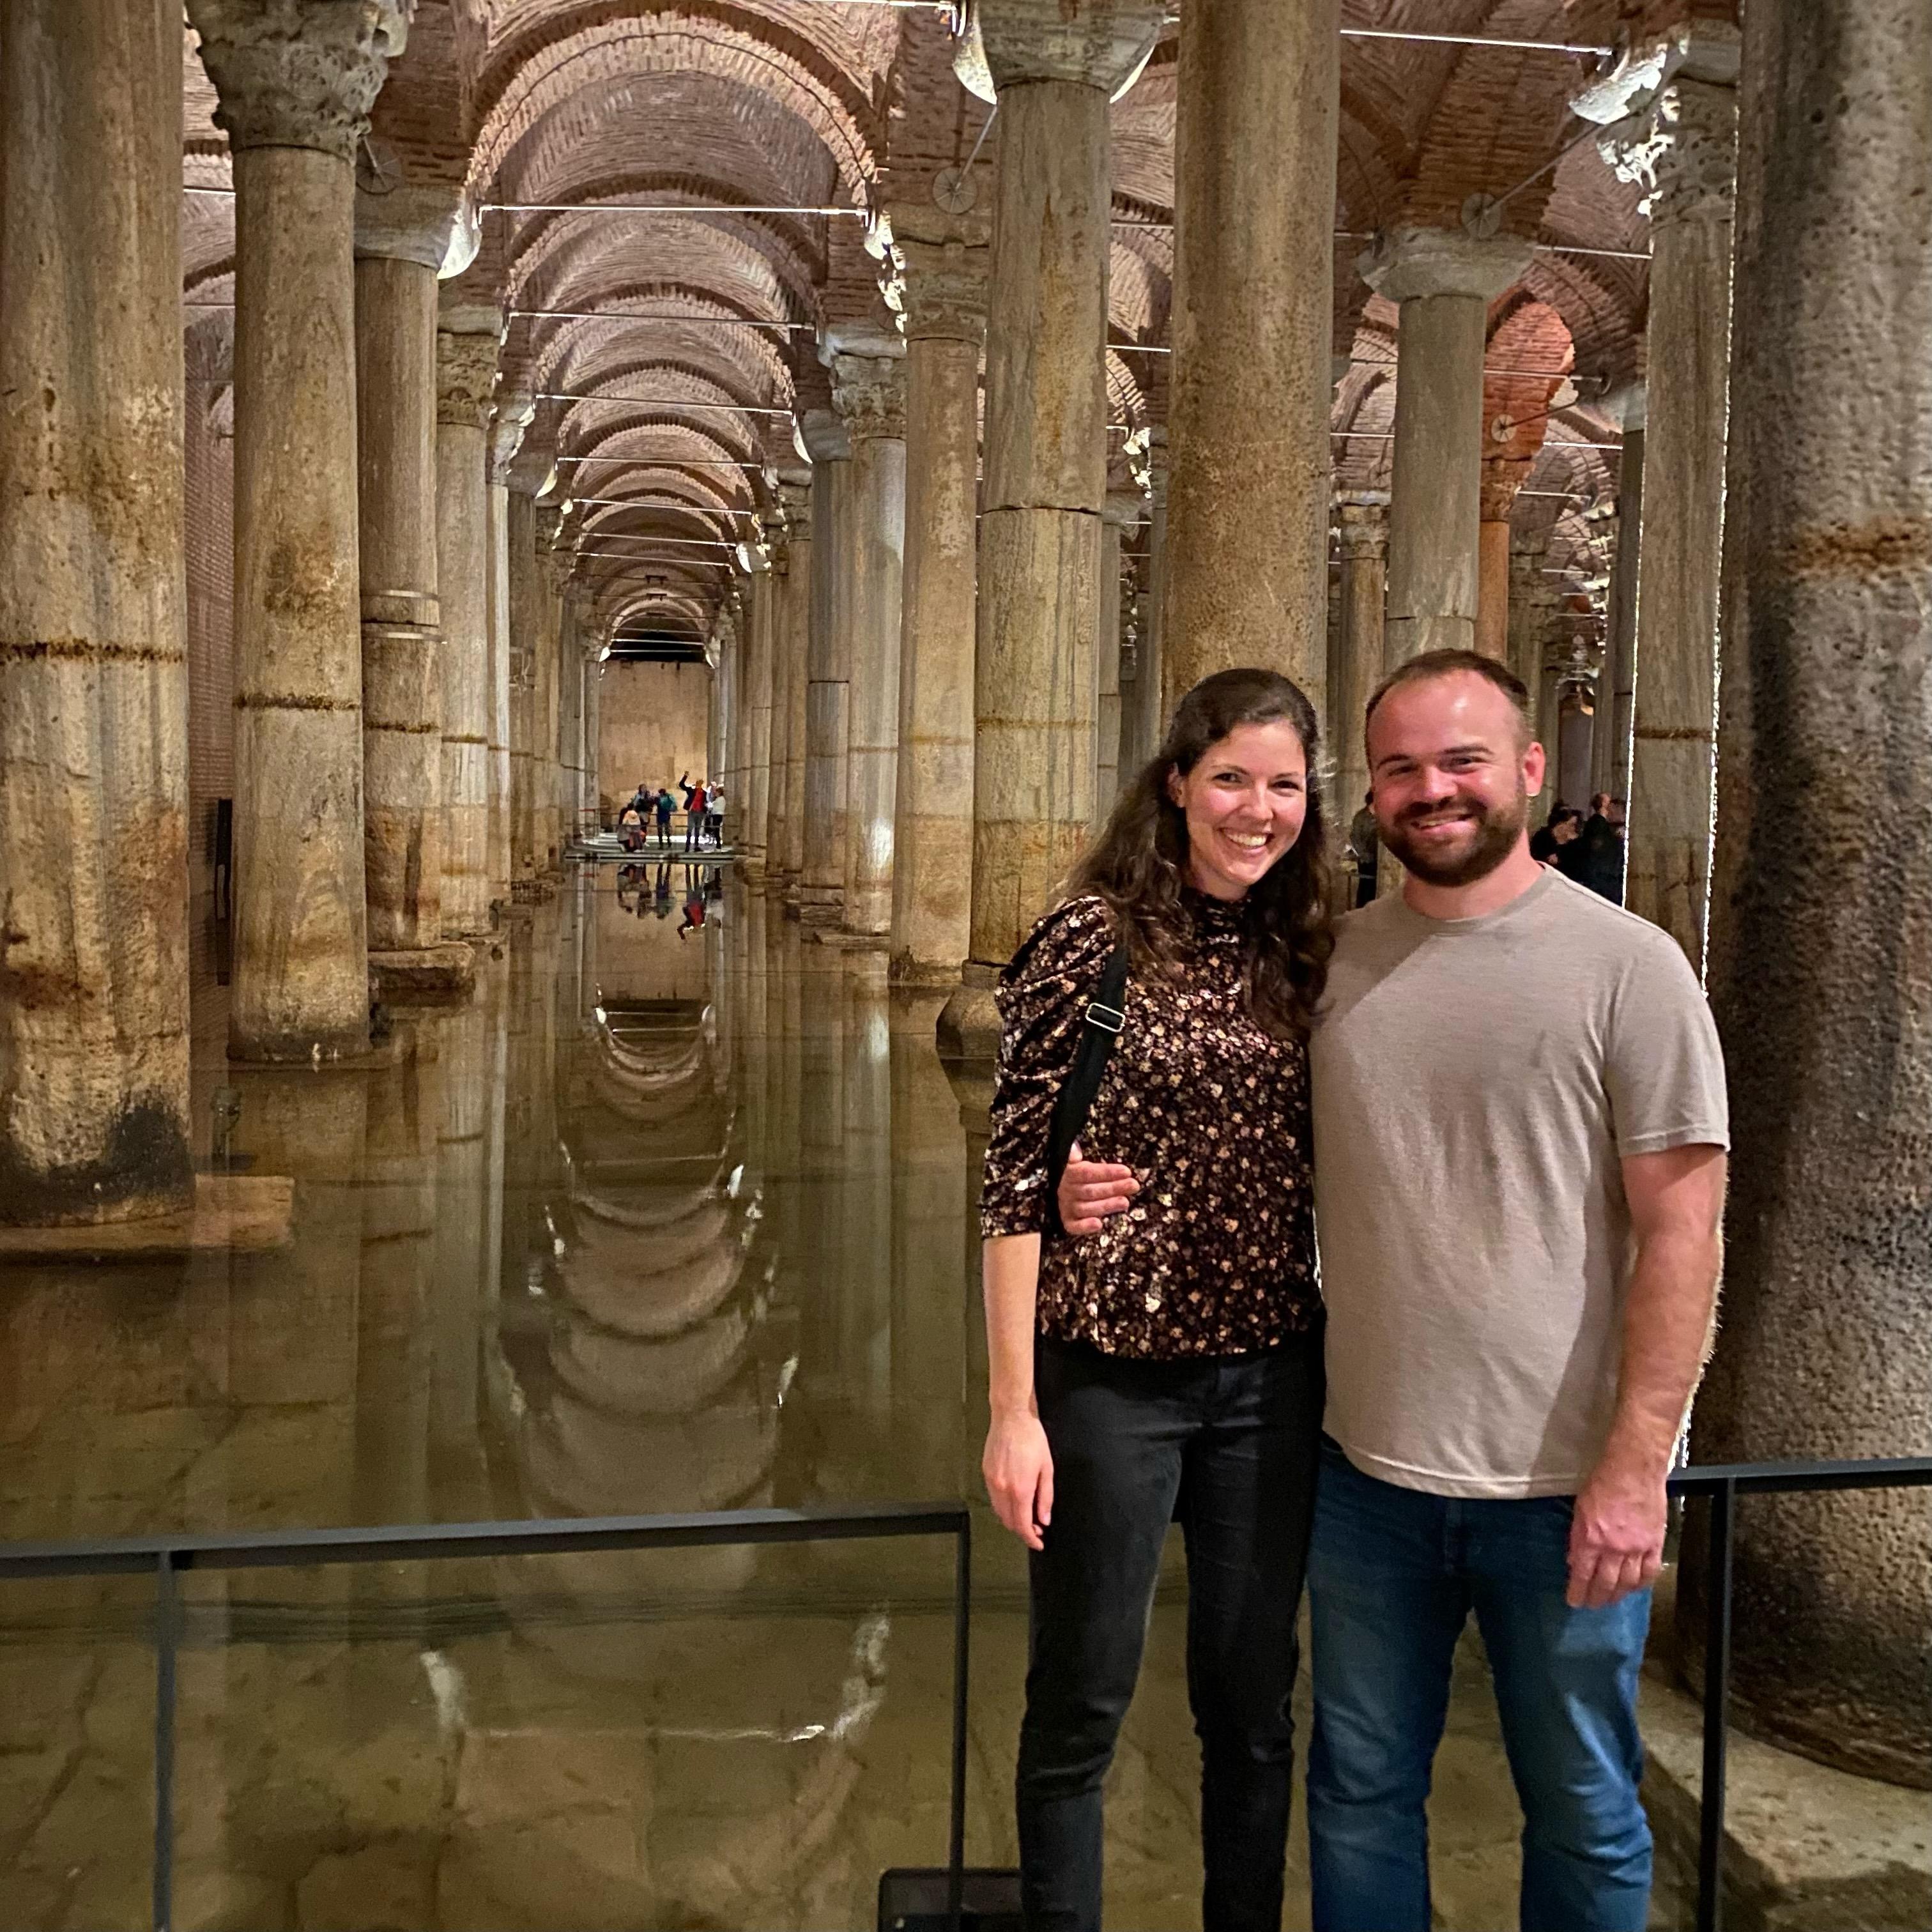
[[528, 591], [828, 671], [1444, 283], [509, 418], [295, 92], [1046, 470], [1144, 712], [1257, 111], [1819, 935], [1610, 743], [1685, 145], [1362, 518], [466, 369], [868, 391], [795, 492], [396, 406], [1120, 513], [946, 328], [94, 1002]]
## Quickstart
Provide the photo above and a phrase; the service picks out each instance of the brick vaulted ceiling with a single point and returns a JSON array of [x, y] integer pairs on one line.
[[770, 106]]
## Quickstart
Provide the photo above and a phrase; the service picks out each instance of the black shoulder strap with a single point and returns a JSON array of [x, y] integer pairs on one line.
[[1105, 1016]]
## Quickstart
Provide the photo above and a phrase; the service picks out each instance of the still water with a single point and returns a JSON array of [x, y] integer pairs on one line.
[[674, 1215]]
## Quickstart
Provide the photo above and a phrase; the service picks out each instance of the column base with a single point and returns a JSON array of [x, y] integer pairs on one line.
[[927, 975], [233, 1213], [423, 975], [969, 1024], [533, 891], [820, 905], [847, 940]]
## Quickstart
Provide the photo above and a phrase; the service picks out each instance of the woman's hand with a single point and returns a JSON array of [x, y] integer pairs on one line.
[[1092, 1190], [1018, 1468]]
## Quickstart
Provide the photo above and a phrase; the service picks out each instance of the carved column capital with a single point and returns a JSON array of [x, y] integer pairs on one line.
[[1503, 476], [824, 437], [1124, 509], [1103, 43], [795, 493], [1682, 150], [466, 372], [945, 289], [425, 222], [509, 418], [1405, 263], [1361, 518], [298, 73], [868, 391]]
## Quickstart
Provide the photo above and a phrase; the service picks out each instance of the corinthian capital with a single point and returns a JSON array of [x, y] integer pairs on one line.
[[1361, 519], [868, 391], [1103, 43], [298, 73], [508, 420], [1682, 149], [465, 371]]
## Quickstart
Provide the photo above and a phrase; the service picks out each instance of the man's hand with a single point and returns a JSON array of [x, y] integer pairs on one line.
[[1092, 1190], [1018, 1468], [1616, 1537]]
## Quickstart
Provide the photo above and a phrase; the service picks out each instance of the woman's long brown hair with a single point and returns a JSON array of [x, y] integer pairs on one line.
[[1138, 864]]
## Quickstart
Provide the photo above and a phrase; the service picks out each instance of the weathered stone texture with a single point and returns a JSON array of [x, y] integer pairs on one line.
[[1821, 943], [93, 1009]]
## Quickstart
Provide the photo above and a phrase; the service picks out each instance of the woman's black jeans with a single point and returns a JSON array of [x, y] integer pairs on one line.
[[1227, 1446]]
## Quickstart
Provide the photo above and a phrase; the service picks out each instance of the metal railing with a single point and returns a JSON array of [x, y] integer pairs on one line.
[[1719, 1485], [165, 1558], [1716, 1486]]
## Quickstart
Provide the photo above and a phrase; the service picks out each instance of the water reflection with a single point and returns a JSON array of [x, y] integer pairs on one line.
[[673, 1216]]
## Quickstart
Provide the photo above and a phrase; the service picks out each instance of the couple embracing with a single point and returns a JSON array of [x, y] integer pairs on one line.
[[1497, 1102]]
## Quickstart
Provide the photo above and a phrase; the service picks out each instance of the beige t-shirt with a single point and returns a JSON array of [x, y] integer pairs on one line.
[[1476, 1081]]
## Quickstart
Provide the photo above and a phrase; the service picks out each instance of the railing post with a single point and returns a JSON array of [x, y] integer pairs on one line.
[[962, 1621], [1717, 1699], [166, 1616]]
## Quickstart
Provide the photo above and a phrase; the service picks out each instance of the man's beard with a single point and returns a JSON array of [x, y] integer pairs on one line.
[[1498, 829]]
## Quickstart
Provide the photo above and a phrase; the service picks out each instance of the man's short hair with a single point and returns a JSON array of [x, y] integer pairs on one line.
[[1428, 665]]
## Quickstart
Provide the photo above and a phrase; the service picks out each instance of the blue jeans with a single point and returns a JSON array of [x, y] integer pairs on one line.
[[1393, 1575], [1226, 1446]]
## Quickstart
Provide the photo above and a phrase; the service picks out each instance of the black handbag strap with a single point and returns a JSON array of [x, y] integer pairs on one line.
[[1105, 1016]]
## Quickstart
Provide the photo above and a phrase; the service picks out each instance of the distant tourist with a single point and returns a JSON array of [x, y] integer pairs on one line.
[[1171, 1369], [714, 814], [694, 811], [1364, 847], [666, 805], [1520, 1125], [1599, 858], [1559, 829]]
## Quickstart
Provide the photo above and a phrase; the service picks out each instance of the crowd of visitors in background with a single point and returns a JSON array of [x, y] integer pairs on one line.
[[654, 805]]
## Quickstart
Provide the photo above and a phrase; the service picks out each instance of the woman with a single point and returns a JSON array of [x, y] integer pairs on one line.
[[1169, 1367], [1559, 829]]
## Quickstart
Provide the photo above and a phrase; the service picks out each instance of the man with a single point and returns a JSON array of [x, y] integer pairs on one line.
[[1365, 847], [667, 805], [693, 810], [1520, 1132], [1598, 856]]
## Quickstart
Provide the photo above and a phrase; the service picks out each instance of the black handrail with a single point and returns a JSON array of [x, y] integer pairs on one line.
[[165, 1557], [1719, 1484]]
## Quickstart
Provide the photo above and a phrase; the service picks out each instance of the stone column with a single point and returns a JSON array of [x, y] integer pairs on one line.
[[868, 391], [1144, 717], [510, 418], [1685, 145], [294, 93], [552, 575], [528, 591], [1821, 912], [465, 366], [1363, 515], [750, 804], [94, 968], [570, 716], [828, 671], [397, 252], [795, 492], [1610, 743], [1502, 479], [1120, 512], [1045, 472], [1444, 283], [1256, 120], [946, 328], [591, 801], [1533, 596]]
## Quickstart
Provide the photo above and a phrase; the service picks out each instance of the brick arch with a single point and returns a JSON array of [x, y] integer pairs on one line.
[[703, 495], [1605, 319], [1126, 399], [671, 439], [1139, 282], [578, 363], [531, 73], [619, 606]]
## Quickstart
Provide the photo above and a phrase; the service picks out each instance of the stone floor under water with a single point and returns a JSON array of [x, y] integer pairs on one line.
[[673, 1215]]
